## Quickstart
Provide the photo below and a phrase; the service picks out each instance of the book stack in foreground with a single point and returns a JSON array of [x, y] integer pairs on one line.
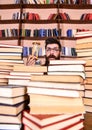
[[88, 95], [13, 100], [84, 51], [7, 60], [21, 75], [56, 100]]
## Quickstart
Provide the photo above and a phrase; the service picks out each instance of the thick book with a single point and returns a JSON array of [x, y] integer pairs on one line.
[[11, 119], [58, 78], [88, 93], [12, 110], [11, 56], [13, 100], [21, 82], [69, 68], [10, 126], [12, 90], [24, 68], [58, 125], [87, 45], [45, 119], [68, 62], [55, 92], [80, 73], [88, 80], [85, 53], [83, 40], [76, 126], [11, 49], [88, 73], [43, 84], [88, 63], [87, 101], [40, 104]]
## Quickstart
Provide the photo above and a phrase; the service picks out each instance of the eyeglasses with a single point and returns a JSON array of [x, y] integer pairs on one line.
[[54, 49]]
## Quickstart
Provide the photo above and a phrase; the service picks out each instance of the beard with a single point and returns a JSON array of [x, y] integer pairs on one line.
[[51, 57]]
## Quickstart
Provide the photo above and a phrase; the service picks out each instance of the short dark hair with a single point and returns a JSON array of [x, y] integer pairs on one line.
[[52, 41]]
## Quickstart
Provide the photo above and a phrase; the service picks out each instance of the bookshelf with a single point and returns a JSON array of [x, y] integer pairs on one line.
[[27, 30]]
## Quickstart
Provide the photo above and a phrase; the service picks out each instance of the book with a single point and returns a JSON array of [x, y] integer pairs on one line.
[[55, 92], [17, 73], [85, 53], [69, 62], [83, 40], [10, 49], [88, 80], [57, 85], [11, 119], [21, 82], [88, 93], [12, 90], [87, 101], [82, 34], [11, 56], [10, 46], [45, 119], [66, 68], [24, 68], [58, 125], [80, 73], [84, 45], [58, 78], [48, 104], [88, 86], [12, 110], [13, 100], [88, 73], [88, 69], [10, 126], [88, 63], [88, 108]]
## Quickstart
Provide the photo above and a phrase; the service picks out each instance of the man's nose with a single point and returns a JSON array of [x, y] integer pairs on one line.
[[52, 51]]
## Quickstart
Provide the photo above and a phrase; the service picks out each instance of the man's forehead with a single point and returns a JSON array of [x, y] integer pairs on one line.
[[52, 45]]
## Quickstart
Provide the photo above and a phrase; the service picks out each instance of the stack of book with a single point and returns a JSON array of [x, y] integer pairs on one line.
[[13, 100], [84, 46], [56, 95], [21, 75], [84, 51], [7, 60], [88, 95]]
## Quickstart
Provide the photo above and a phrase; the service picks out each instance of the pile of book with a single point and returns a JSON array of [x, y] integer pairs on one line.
[[9, 56], [84, 51], [21, 75], [84, 45], [88, 95], [13, 100], [56, 99]]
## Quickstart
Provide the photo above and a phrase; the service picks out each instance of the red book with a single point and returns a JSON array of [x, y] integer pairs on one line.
[[43, 122]]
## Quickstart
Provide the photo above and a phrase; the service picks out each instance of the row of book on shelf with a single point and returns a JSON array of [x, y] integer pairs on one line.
[[52, 16], [53, 2], [28, 32]]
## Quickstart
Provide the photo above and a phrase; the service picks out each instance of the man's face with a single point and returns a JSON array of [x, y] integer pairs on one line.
[[52, 52]]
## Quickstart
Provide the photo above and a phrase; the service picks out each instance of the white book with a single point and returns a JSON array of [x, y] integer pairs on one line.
[[72, 86], [55, 92], [75, 68], [10, 126], [61, 62], [82, 74]]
